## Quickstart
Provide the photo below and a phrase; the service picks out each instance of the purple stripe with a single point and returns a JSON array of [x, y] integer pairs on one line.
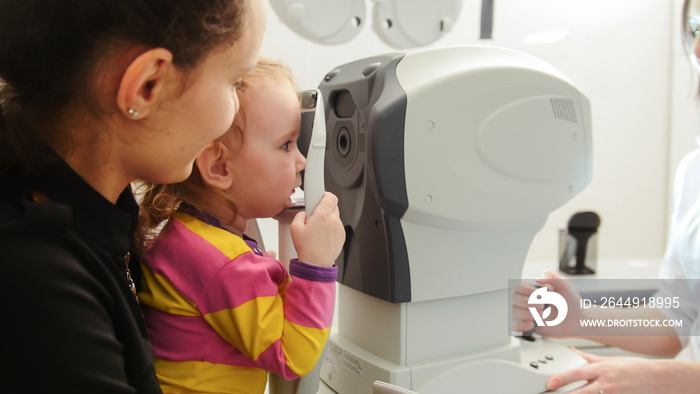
[[313, 272]]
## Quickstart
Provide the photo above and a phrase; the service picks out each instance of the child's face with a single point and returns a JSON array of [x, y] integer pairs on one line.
[[266, 169]]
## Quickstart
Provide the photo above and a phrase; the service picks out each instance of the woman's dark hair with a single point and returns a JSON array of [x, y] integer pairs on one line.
[[50, 50]]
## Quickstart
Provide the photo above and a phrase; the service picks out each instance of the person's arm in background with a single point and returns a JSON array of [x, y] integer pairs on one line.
[[631, 375], [662, 342]]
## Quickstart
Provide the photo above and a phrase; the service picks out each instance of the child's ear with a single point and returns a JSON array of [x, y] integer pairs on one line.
[[143, 82], [211, 163]]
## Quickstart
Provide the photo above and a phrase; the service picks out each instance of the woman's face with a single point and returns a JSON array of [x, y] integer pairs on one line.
[[692, 31], [204, 111]]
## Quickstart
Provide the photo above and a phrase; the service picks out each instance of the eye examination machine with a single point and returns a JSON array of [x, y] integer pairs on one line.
[[446, 163]]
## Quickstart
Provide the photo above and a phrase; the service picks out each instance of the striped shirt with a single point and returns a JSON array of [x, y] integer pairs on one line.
[[221, 313]]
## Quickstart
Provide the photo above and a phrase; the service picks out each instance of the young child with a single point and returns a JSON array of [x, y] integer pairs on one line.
[[93, 96], [220, 312]]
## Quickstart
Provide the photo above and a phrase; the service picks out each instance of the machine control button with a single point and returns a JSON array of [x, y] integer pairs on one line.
[[549, 357], [534, 364], [542, 361]]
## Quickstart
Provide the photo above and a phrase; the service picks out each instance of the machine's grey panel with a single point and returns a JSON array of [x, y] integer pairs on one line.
[[365, 111]]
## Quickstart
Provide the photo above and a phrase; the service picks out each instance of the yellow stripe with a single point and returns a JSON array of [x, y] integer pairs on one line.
[[159, 293], [228, 243], [187, 377], [303, 346], [254, 326], [251, 327]]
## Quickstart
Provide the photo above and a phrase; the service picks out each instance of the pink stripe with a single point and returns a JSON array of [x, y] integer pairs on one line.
[[247, 277], [188, 338], [310, 303], [185, 338], [207, 277], [185, 258]]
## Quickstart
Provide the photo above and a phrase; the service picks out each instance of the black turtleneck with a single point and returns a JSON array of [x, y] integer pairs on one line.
[[71, 322]]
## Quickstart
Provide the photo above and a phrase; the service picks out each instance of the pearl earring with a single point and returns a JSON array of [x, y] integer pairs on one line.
[[133, 112]]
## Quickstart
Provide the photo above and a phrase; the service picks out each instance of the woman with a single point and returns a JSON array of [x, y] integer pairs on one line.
[[95, 96]]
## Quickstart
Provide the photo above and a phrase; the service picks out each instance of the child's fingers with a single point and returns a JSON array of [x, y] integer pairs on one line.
[[299, 219], [329, 203]]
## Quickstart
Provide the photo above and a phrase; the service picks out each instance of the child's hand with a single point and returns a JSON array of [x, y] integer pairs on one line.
[[319, 238]]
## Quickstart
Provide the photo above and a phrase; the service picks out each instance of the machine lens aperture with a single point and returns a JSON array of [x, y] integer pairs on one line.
[[343, 142]]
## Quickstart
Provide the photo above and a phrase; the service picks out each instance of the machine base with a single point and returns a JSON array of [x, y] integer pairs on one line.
[[349, 369]]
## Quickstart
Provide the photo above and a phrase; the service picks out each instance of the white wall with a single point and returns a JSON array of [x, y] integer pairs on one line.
[[623, 54]]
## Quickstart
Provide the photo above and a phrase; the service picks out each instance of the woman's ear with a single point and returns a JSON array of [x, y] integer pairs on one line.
[[143, 82], [211, 163]]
